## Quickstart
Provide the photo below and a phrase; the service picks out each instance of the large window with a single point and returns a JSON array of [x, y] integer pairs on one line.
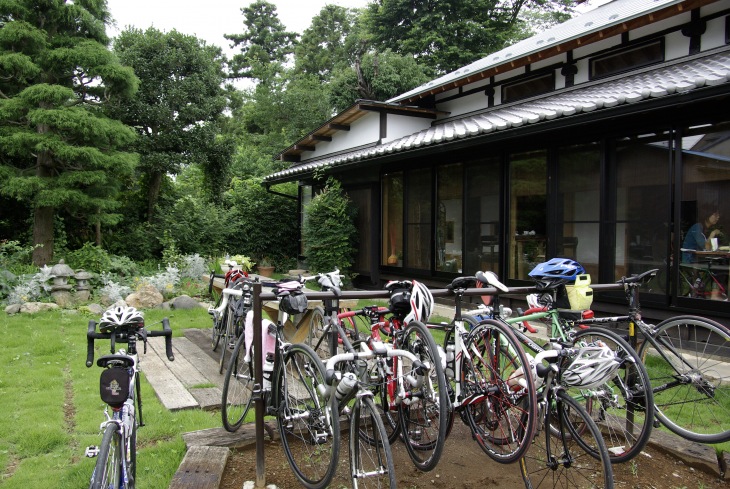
[[449, 220], [527, 212], [482, 212], [418, 219], [642, 203], [704, 239], [391, 252], [578, 205]]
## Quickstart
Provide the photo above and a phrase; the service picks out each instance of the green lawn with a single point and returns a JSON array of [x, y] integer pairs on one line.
[[51, 410]]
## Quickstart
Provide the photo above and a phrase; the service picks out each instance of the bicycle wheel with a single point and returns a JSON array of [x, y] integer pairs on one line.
[[371, 460], [309, 426], [686, 358], [217, 329], [424, 412], [108, 470], [382, 384], [227, 336], [500, 402], [470, 323], [237, 387], [623, 408], [562, 460]]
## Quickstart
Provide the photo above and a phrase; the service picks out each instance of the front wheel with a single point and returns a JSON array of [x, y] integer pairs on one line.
[[499, 402], [308, 424], [108, 470], [371, 460], [685, 358], [227, 335], [567, 459], [424, 412]]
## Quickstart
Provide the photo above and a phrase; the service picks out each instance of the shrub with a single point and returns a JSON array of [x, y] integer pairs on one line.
[[329, 230]]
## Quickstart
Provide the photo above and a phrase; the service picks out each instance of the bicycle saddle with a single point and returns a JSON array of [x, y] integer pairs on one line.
[[115, 360]]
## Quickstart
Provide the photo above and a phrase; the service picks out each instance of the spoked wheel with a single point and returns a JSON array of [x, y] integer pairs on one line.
[[228, 337], [371, 460], [108, 469], [424, 413], [500, 405], [623, 408], [691, 386], [309, 426], [567, 459], [237, 387], [316, 336], [383, 385]]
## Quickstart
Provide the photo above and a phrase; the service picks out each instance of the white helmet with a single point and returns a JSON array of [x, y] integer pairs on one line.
[[421, 303], [593, 365], [119, 316]]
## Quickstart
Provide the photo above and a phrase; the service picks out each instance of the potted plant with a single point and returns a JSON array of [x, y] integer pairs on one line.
[[265, 267]]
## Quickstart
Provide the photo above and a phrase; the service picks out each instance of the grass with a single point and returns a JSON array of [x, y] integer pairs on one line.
[[52, 410]]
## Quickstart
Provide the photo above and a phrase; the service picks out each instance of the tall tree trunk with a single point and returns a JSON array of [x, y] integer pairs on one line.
[[153, 193], [43, 215], [97, 228]]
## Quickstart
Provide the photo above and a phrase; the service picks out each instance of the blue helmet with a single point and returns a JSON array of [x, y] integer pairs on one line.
[[557, 269]]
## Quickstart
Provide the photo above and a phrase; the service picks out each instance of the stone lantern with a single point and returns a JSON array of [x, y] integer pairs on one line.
[[83, 291], [61, 289]]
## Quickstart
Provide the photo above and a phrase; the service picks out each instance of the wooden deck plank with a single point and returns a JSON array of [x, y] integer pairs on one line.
[[202, 468], [198, 355], [171, 392], [208, 398], [181, 368]]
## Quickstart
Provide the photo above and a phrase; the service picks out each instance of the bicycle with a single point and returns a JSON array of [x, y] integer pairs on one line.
[[351, 378], [294, 391], [687, 359], [623, 407], [568, 449], [697, 280], [422, 408], [116, 465], [226, 324], [486, 385]]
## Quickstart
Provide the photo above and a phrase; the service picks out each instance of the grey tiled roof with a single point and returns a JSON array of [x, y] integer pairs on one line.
[[610, 14], [666, 81]]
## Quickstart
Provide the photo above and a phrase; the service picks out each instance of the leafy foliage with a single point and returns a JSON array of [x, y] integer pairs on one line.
[[60, 151], [329, 230]]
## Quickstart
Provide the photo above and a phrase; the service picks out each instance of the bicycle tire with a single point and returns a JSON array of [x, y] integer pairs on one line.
[[237, 387], [693, 348], [227, 336], [108, 469], [316, 338], [371, 458], [540, 466], [305, 415], [215, 332], [502, 411], [424, 413], [627, 418]]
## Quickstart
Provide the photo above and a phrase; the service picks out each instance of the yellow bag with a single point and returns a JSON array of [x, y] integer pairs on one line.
[[580, 295]]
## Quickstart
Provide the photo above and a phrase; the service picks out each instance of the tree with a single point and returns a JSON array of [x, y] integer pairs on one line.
[[376, 76], [323, 46], [177, 107], [448, 34], [60, 150], [265, 45]]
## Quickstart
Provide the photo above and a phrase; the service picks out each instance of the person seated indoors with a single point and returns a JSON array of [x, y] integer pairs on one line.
[[697, 237]]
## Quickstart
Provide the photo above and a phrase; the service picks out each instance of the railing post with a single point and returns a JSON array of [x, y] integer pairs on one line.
[[258, 386]]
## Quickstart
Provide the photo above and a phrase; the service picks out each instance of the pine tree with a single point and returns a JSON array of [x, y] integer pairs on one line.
[[59, 149]]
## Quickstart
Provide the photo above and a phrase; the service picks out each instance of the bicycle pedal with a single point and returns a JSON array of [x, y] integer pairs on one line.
[[319, 438], [657, 423], [92, 451]]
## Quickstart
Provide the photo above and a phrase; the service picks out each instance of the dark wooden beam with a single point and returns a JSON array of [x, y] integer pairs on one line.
[[318, 137], [338, 127], [301, 147]]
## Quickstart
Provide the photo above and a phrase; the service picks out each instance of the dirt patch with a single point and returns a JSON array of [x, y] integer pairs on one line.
[[464, 466]]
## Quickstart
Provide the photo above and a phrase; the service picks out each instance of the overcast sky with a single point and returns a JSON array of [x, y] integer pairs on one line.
[[210, 19]]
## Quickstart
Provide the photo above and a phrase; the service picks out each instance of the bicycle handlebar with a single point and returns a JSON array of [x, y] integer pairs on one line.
[[92, 335]]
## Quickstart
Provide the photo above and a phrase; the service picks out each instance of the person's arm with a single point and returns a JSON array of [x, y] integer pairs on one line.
[[695, 239]]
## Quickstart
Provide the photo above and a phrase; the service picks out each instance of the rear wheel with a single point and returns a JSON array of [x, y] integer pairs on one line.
[[108, 470], [228, 337], [309, 427], [623, 408], [691, 387], [499, 400], [237, 387]]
